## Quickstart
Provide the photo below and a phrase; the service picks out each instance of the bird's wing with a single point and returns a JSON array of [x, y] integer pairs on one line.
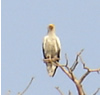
[[43, 46], [58, 46]]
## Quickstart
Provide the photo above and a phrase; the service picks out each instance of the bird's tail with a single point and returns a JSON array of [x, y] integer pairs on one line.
[[51, 69]]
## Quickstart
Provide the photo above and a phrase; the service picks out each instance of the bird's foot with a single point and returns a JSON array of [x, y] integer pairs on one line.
[[47, 60], [50, 60]]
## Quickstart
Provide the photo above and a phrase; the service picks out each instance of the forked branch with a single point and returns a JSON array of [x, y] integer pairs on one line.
[[76, 61], [88, 70], [69, 72]]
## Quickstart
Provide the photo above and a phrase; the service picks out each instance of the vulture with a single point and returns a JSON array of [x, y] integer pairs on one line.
[[51, 49]]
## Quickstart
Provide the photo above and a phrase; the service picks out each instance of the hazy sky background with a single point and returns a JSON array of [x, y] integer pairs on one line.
[[24, 24]]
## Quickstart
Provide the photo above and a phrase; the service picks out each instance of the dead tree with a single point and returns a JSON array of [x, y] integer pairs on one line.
[[69, 72]]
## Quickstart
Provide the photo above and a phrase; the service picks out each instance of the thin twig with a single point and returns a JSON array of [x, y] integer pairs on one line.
[[70, 93], [66, 59], [88, 70], [70, 71], [59, 90], [73, 77], [67, 63], [76, 61], [50, 60], [27, 87], [84, 76], [97, 91]]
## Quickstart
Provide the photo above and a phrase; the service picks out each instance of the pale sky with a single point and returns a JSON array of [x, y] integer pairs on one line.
[[24, 24]]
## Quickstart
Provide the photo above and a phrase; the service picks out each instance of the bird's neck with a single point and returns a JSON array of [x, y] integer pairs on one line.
[[51, 32]]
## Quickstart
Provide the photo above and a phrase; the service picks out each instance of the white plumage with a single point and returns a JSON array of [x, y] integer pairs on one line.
[[51, 48]]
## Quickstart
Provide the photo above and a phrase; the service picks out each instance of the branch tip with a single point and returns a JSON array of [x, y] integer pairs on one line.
[[58, 89], [76, 61], [27, 87], [66, 60], [97, 91], [80, 52]]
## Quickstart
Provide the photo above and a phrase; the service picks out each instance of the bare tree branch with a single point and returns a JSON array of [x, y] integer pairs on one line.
[[71, 75], [76, 61], [84, 76], [97, 91], [64, 70], [88, 70], [59, 90], [67, 64], [50, 60], [73, 78], [26, 87]]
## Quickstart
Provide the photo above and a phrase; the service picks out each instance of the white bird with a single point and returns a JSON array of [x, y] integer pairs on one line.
[[51, 49]]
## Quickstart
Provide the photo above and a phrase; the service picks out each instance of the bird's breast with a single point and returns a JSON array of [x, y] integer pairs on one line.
[[51, 48]]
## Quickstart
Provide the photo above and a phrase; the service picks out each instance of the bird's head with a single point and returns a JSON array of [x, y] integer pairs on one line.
[[51, 28]]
